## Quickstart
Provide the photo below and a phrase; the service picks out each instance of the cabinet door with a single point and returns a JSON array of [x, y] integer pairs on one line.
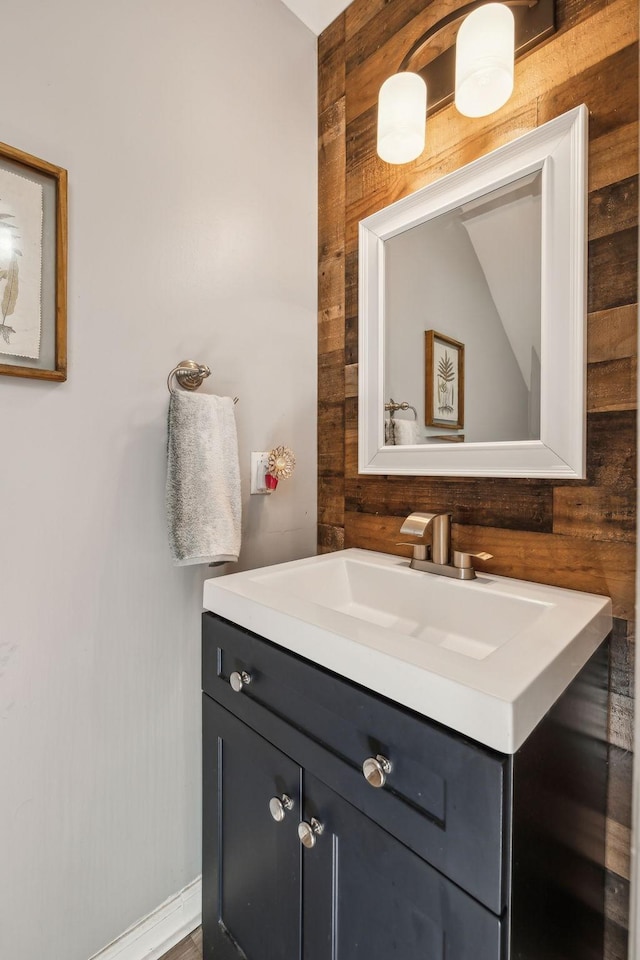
[[368, 897], [251, 862]]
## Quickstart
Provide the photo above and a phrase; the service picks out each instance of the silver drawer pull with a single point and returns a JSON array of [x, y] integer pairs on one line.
[[376, 769], [278, 807], [239, 680], [309, 832]]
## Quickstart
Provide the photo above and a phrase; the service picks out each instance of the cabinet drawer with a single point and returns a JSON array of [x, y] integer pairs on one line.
[[444, 796]]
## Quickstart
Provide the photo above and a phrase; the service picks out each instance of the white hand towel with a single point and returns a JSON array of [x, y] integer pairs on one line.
[[203, 479], [406, 431], [389, 437]]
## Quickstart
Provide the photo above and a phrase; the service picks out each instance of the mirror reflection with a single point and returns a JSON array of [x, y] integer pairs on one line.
[[463, 321]]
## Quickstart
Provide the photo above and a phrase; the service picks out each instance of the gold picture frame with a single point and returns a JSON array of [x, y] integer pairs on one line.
[[33, 267], [444, 381]]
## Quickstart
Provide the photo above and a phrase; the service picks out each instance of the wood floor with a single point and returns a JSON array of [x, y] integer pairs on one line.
[[188, 949]]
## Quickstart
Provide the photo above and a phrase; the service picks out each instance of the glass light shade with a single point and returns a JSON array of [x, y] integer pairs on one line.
[[484, 60], [402, 116]]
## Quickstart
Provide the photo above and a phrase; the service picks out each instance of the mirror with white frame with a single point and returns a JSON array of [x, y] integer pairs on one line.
[[484, 271]]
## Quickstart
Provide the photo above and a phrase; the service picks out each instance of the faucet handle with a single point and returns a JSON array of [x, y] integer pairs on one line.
[[419, 549], [416, 523], [463, 560]]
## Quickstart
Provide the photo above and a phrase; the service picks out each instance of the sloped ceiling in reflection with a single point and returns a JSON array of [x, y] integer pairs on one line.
[[506, 233]]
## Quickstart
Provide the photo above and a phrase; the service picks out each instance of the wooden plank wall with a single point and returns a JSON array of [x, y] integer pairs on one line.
[[575, 534]]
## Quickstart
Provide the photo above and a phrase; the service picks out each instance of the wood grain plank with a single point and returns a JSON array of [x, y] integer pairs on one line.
[[351, 288], [571, 12], [621, 721], [617, 899], [351, 380], [331, 376], [612, 385], [331, 63], [331, 329], [331, 434], [358, 13], [612, 334], [331, 280], [351, 340], [613, 156], [611, 449], [622, 658], [330, 538], [616, 941], [331, 173], [585, 78], [351, 411], [331, 181], [515, 505], [331, 501], [616, 917], [613, 208], [331, 302], [403, 21], [595, 513], [613, 271], [351, 450], [619, 799]]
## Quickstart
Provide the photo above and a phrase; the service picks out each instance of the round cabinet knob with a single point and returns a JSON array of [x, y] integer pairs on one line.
[[239, 680], [309, 832], [278, 807], [375, 770]]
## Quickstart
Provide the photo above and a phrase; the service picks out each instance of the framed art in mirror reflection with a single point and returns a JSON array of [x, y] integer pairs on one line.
[[444, 381]]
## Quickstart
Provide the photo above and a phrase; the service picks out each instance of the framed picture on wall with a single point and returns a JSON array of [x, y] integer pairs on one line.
[[444, 381], [33, 267]]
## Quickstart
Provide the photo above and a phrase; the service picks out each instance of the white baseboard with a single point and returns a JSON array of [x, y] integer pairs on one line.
[[151, 937]]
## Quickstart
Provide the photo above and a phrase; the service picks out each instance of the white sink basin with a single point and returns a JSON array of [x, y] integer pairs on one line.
[[486, 657]]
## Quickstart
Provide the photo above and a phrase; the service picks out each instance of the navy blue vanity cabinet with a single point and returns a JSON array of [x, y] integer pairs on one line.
[[463, 853], [366, 895], [353, 891], [250, 861]]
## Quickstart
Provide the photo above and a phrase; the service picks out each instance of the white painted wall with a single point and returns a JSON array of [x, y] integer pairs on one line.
[[189, 133]]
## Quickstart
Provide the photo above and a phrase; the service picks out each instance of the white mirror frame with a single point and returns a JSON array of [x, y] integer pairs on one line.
[[559, 150]]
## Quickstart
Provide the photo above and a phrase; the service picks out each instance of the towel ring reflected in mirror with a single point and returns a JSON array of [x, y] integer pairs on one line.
[[190, 375], [393, 407]]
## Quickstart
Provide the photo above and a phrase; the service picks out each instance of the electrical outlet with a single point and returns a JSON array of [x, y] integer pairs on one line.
[[259, 467]]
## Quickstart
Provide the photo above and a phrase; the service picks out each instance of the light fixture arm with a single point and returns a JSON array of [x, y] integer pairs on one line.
[[453, 17]]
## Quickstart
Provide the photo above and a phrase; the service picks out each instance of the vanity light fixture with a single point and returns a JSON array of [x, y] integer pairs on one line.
[[485, 55], [479, 69]]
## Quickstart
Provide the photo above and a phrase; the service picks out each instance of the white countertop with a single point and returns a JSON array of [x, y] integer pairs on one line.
[[487, 657]]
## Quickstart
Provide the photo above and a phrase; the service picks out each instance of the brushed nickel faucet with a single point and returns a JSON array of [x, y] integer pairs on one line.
[[436, 557]]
